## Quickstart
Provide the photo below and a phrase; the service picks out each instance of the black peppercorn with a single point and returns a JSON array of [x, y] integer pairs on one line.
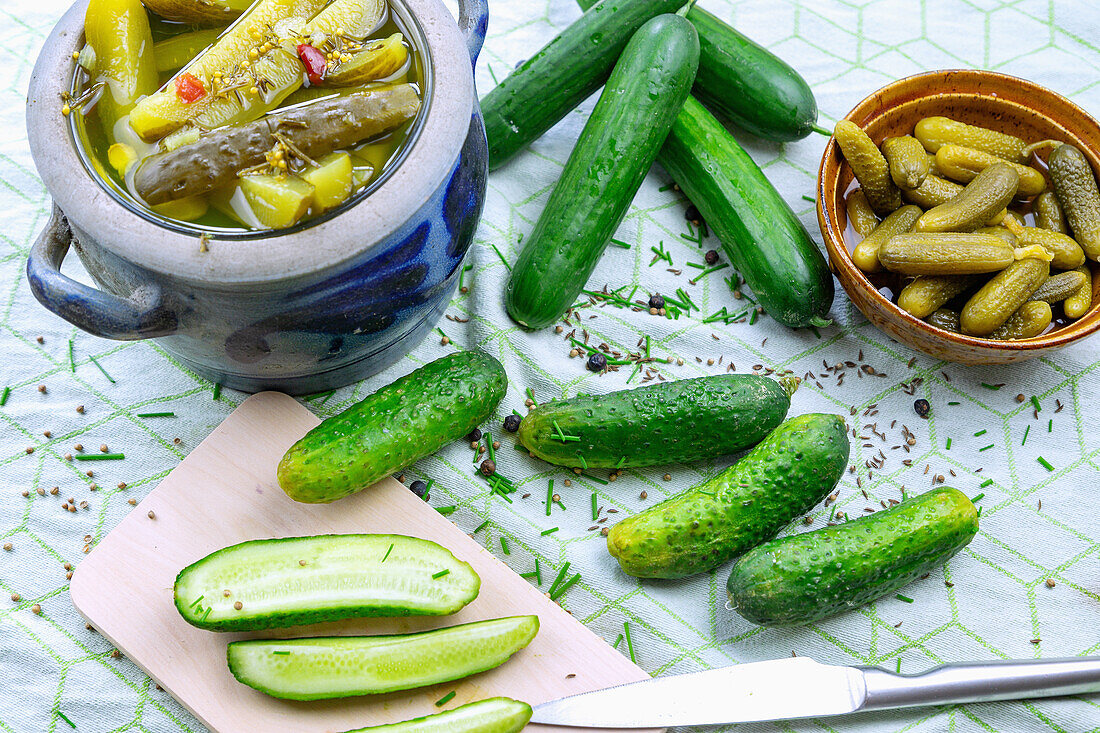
[[511, 423], [488, 467], [656, 301], [692, 214], [597, 362], [474, 436], [711, 257], [922, 407], [419, 488]]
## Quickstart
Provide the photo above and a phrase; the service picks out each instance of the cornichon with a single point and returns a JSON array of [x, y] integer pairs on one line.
[[868, 166], [927, 293], [1029, 320], [998, 231], [1067, 254], [118, 31], [495, 715], [376, 61], [198, 12], [933, 191], [865, 254], [264, 584], [945, 253], [908, 161], [860, 214], [1075, 185], [807, 577], [669, 422], [935, 132], [989, 192], [315, 129], [1048, 213], [1060, 286], [1002, 295], [964, 164], [1079, 303], [788, 473], [394, 427], [322, 668], [945, 319]]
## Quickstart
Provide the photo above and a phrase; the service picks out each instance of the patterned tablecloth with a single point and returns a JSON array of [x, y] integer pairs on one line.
[[1028, 586]]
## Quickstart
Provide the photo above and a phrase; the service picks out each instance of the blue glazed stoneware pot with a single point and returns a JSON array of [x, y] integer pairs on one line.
[[301, 310]]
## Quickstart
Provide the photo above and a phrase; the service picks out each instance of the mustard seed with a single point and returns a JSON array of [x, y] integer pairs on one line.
[[1051, 583], [42, 388], [7, 546], [103, 448], [47, 433], [667, 477], [15, 597], [80, 409], [238, 605], [567, 482], [122, 484], [78, 447], [131, 502], [152, 514], [36, 610], [69, 457]]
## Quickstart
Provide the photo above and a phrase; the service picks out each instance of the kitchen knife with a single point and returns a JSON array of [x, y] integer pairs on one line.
[[799, 687]]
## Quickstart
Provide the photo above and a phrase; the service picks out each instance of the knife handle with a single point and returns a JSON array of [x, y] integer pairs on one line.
[[981, 682]]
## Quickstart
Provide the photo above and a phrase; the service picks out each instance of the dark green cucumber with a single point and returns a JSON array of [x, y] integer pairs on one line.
[[307, 580], [322, 668], [394, 427], [495, 715], [669, 422], [562, 74], [788, 473], [615, 151], [747, 83], [760, 234], [807, 577]]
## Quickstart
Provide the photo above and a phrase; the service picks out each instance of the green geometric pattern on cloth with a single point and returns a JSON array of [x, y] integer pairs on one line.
[[998, 600]]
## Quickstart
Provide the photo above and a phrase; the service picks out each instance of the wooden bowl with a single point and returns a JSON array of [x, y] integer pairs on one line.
[[985, 98]]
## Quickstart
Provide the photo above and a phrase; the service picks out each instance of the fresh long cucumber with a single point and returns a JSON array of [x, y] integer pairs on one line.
[[322, 668], [745, 82], [495, 715], [788, 473], [759, 233], [807, 577], [562, 74], [615, 151], [263, 584], [394, 427], [669, 422]]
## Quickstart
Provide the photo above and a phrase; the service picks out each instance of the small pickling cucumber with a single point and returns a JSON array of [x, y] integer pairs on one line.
[[1079, 303], [860, 214], [495, 715], [1029, 320], [307, 580], [932, 192], [925, 295], [935, 132], [394, 427], [865, 254], [323, 668], [1075, 185], [198, 12], [868, 166], [908, 161], [1003, 295], [964, 164], [1060, 286], [174, 52], [1067, 254], [988, 193], [668, 422], [999, 231], [945, 253], [615, 150], [376, 61], [807, 577], [793, 469], [945, 319], [118, 31], [1049, 214]]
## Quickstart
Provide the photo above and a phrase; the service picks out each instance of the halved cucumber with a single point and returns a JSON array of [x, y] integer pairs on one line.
[[342, 666], [303, 580], [495, 715]]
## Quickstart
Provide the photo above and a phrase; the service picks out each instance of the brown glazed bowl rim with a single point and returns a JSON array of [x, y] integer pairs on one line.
[[832, 163]]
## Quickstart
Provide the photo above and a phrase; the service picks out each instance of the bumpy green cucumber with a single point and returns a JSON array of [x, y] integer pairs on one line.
[[868, 166], [989, 192], [1065, 250], [1049, 214], [322, 668], [927, 293], [1002, 295], [932, 192], [964, 164], [1029, 320], [263, 584], [865, 254], [788, 473], [909, 163], [935, 132], [1079, 303], [495, 715], [945, 319], [668, 422], [394, 427], [860, 214], [945, 253], [1060, 286], [1075, 185], [808, 577], [999, 231]]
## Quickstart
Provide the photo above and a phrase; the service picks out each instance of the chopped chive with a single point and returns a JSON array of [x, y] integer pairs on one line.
[[387, 555], [1026, 431], [899, 665], [447, 510], [985, 448], [813, 330], [100, 367], [979, 511], [72, 361], [811, 199], [504, 545], [100, 457], [584, 463], [528, 575], [595, 510], [597, 479], [752, 318], [501, 256], [954, 403], [647, 346], [985, 483], [156, 414], [993, 387], [531, 394], [441, 573], [620, 243], [206, 612], [906, 599], [696, 265], [489, 447], [564, 587], [1035, 403], [1045, 463], [637, 368], [1050, 425], [977, 498], [4, 396], [196, 602], [629, 641], [481, 526], [980, 433], [217, 391], [620, 463], [947, 445], [617, 642], [545, 532], [66, 719], [428, 487], [281, 653], [549, 496], [445, 699], [490, 67], [538, 573], [561, 576]]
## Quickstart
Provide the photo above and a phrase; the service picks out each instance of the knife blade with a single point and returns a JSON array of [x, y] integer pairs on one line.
[[798, 687]]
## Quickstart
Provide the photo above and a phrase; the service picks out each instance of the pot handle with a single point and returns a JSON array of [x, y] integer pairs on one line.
[[98, 312], [473, 21]]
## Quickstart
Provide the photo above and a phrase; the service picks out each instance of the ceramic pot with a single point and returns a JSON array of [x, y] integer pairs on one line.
[[301, 310]]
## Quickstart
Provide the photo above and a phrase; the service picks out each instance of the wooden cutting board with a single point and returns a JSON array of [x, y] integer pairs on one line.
[[225, 492]]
